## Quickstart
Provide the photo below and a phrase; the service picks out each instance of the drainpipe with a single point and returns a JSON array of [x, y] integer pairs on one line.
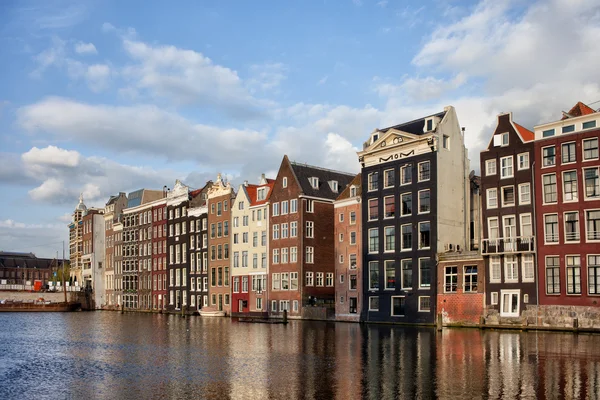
[[535, 257]]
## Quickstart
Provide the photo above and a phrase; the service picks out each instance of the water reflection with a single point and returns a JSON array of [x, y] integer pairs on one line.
[[108, 355]]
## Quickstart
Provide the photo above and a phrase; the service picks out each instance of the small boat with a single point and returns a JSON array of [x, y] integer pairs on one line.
[[38, 306]]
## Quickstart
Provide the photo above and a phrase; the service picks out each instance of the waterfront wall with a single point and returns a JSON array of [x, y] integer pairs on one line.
[[30, 296], [560, 317], [461, 309]]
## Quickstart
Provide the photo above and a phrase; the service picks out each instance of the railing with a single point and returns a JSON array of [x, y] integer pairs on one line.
[[518, 244]]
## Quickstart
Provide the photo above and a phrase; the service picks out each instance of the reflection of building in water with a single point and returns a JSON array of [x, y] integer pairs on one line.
[[348, 360], [248, 361], [460, 367], [317, 344], [399, 363], [283, 362]]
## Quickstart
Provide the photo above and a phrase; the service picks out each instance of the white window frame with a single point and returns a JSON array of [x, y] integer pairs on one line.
[[504, 204], [525, 158], [488, 197], [489, 171], [509, 168], [521, 186]]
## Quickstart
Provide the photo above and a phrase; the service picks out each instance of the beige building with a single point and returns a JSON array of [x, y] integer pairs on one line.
[[76, 242], [250, 248]]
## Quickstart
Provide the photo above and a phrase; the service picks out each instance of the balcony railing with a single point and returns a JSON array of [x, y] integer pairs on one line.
[[510, 245]]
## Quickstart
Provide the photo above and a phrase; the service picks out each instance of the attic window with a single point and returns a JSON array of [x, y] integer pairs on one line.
[[375, 137], [334, 186], [548, 133], [505, 139], [429, 125], [568, 128], [261, 194], [284, 182], [352, 191], [589, 124], [314, 182]]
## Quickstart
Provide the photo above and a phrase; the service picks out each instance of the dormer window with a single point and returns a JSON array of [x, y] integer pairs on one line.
[[352, 191], [261, 194], [501, 139], [429, 125], [334, 186], [374, 137], [314, 182]]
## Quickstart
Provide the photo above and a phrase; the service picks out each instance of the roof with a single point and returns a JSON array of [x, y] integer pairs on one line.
[[525, 133], [578, 110], [355, 182], [24, 260], [416, 126], [304, 171], [252, 190]]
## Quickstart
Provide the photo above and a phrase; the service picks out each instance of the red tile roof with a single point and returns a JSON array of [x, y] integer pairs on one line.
[[253, 189], [578, 110], [525, 133]]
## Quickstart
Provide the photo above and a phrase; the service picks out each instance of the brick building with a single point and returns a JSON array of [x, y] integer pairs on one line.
[[159, 255], [348, 252], [198, 248], [301, 273], [112, 214]]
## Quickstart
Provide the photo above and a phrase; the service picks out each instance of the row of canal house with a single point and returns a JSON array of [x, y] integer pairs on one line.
[[414, 236]]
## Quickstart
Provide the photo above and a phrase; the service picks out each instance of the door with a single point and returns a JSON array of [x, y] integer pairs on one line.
[[509, 225], [509, 303], [240, 305], [220, 302]]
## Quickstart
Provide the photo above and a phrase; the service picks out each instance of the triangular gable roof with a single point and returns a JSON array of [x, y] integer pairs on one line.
[[252, 191], [526, 134], [578, 110], [302, 173], [355, 182]]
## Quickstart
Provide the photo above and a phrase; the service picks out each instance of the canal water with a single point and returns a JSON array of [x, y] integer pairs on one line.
[[107, 355]]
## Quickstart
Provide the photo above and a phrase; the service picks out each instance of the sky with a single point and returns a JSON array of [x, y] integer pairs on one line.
[[99, 97]]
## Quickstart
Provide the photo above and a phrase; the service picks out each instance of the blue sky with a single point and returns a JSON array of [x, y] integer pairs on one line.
[[106, 96]]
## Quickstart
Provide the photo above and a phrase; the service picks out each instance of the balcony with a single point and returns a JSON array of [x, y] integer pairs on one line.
[[510, 245]]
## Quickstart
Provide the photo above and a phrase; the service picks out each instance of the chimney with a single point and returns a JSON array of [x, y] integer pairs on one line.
[[246, 183]]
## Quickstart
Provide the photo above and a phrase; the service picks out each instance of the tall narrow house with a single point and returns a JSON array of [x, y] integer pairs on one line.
[[220, 197], [415, 202], [198, 248], [112, 215], [301, 273], [508, 244], [249, 246], [567, 191]]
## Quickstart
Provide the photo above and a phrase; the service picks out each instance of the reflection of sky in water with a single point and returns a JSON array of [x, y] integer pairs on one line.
[[105, 355]]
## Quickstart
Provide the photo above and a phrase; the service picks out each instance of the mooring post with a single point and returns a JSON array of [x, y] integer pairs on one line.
[[439, 322], [285, 321]]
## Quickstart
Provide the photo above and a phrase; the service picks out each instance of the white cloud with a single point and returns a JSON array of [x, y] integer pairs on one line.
[[50, 190], [85, 48], [51, 156], [265, 77]]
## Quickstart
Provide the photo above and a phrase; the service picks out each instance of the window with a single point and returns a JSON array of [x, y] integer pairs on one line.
[[310, 252], [236, 284], [284, 207], [374, 303], [526, 228], [273, 305], [424, 272], [293, 281], [398, 308], [568, 153], [373, 275], [572, 227], [293, 206], [284, 231], [549, 156], [329, 279], [352, 217], [492, 198], [310, 206], [390, 207], [494, 299], [352, 237], [285, 281], [263, 260], [406, 174], [275, 231], [424, 235], [593, 224], [570, 186], [568, 128], [275, 256], [406, 266], [424, 171], [373, 181], [495, 276], [263, 238], [470, 279], [548, 133], [508, 196], [424, 304], [406, 200], [524, 193], [236, 259], [573, 274], [341, 217], [284, 181], [352, 258], [275, 209], [390, 238], [319, 279], [590, 148], [352, 191], [511, 268], [446, 141], [509, 306], [310, 229], [424, 201], [506, 167], [352, 283], [373, 240], [309, 279], [373, 209], [388, 178], [276, 282], [551, 228], [219, 208], [284, 256], [593, 266], [549, 182], [523, 161], [592, 183], [341, 237], [450, 279], [490, 167], [588, 125], [314, 182], [406, 237], [294, 229]]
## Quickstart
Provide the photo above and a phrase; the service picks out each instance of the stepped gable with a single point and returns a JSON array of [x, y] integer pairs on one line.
[[304, 171]]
